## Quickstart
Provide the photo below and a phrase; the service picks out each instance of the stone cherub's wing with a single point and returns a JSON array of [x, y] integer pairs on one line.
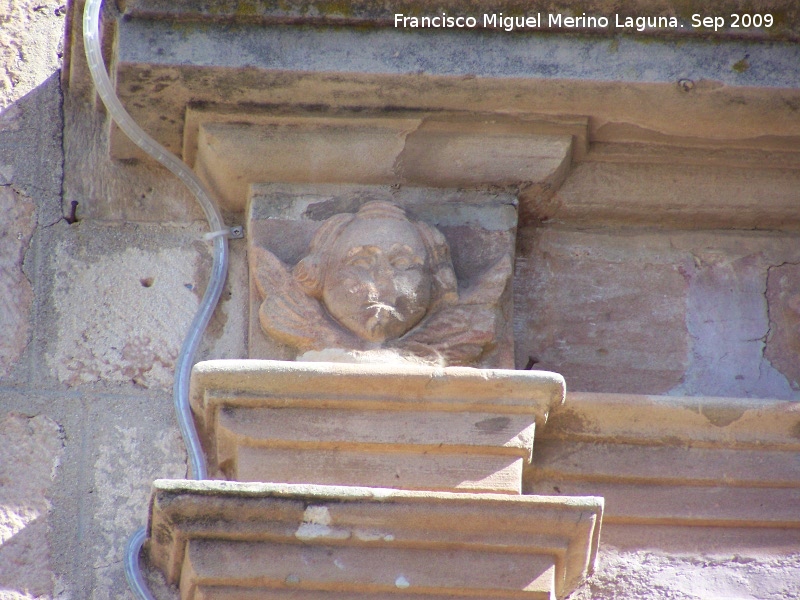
[[456, 335], [287, 313], [491, 285], [460, 333]]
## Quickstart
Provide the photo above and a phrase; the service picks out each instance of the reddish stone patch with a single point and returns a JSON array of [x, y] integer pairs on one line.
[[606, 312], [783, 302]]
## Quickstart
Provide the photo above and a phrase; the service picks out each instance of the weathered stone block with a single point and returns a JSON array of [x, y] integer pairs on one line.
[[728, 313], [16, 295], [783, 303], [367, 542], [398, 426], [30, 450], [150, 281], [590, 305], [680, 312], [130, 447]]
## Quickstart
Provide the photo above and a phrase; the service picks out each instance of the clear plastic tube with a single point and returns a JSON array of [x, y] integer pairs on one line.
[[133, 572], [219, 269]]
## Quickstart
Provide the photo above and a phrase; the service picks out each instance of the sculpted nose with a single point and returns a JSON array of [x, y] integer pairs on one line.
[[383, 280], [385, 286]]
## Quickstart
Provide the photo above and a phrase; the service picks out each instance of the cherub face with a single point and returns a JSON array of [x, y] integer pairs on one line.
[[378, 282]]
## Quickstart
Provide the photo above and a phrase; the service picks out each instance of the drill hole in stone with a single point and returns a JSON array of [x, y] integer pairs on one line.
[[146, 281]]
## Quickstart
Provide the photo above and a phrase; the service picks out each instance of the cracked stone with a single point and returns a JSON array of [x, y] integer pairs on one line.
[[17, 222]]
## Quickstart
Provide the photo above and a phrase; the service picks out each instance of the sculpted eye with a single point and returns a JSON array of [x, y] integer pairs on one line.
[[360, 261], [402, 262]]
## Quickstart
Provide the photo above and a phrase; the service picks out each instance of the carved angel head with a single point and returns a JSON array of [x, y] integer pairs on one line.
[[376, 280], [377, 273]]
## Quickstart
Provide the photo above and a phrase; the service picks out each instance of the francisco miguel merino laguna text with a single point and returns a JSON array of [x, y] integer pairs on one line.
[[556, 21]]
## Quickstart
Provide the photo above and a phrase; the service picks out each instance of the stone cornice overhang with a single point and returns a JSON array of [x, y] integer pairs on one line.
[[655, 97], [216, 537], [707, 467], [381, 14]]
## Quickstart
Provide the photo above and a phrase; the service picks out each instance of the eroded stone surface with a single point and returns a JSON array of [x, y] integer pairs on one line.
[[650, 576], [30, 449], [16, 295], [728, 324], [591, 306], [123, 300], [656, 312], [29, 34], [128, 458], [783, 340]]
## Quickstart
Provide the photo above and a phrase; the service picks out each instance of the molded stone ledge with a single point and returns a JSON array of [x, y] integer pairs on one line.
[[729, 464], [677, 420], [628, 90], [424, 428], [382, 13], [249, 65], [625, 89], [230, 541], [228, 148], [673, 187]]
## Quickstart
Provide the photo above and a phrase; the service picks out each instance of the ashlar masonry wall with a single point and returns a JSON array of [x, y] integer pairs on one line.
[[94, 309], [86, 421]]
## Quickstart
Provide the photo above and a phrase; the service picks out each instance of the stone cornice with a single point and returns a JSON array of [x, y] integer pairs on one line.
[[381, 14], [226, 538], [722, 464]]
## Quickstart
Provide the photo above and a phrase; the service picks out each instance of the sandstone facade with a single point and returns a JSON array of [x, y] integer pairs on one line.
[[656, 256]]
